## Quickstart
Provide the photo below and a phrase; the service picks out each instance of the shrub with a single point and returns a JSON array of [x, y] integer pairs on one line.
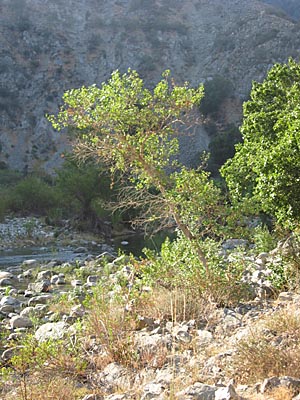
[[216, 91], [178, 269], [32, 195], [36, 366], [86, 190], [222, 147]]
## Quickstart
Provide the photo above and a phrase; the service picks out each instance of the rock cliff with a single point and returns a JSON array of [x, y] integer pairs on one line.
[[290, 7], [47, 47]]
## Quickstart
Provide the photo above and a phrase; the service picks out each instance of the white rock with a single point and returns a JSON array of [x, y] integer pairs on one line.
[[31, 263], [226, 393], [152, 391], [204, 337], [5, 275], [51, 330]]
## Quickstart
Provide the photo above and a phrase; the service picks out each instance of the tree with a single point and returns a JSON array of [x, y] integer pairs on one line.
[[266, 166], [84, 186], [216, 91], [134, 132]]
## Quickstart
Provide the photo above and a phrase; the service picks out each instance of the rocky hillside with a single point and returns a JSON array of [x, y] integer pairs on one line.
[[48, 47], [290, 7]]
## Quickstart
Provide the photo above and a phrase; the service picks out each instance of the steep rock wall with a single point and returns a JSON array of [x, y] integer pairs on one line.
[[48, 47]]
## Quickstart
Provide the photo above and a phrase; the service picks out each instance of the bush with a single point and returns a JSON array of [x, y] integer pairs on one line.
[[178, 268], [86, 191], [222, 147], [216, 91], [32, 195]]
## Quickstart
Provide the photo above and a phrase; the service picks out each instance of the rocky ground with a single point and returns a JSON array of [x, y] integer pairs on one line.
[[161, 356]]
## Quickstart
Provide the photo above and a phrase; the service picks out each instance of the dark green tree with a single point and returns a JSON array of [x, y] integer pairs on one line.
[[216, 91], [85, 189], [266, 166]]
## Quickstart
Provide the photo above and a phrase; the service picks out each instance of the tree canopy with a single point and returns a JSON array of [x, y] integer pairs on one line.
[[134, 132], [266, 166]]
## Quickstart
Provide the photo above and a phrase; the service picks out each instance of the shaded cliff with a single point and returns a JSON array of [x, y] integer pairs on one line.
[[48, 47]]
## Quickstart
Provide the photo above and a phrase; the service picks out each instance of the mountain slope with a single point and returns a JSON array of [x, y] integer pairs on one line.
[[48, 47], [291, 7]]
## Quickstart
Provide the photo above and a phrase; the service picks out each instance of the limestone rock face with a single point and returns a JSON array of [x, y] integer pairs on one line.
[[47, 47]]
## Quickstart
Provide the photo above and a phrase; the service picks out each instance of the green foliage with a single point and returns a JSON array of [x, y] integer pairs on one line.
[[264, 240], [32, 195], [198, 202], [85, 189], [266, 166], [222, 147], [216, 91], [134, 132], [178, 267]]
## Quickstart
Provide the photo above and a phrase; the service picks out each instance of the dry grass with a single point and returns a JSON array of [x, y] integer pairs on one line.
[[177, 305], [112, 326], [271, 349], [41, 388], [280, 393]]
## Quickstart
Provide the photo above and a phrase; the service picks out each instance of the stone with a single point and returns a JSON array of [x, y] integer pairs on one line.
[[226, 393], [152, 391], [7, 308], [40, 287], [58, 279], [20, 322], [30, 263], [5, 275], [8, 353], [5, 282], [44, 275], [26, 312], [42, 299], [76, 282], [284, 381], [198, 391], [10, 301], [113, 376], [92, 280], [51, 330], [28, 273], [151, 342], [28, 293], [203, 337]]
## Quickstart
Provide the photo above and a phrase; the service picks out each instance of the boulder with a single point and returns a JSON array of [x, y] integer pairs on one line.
[[51, 330], [19, 321], [198, 391], [226, 393], [152, 391], [10, 301]]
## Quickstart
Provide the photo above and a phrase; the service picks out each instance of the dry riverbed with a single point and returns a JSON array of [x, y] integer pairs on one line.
[[89, 329]]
